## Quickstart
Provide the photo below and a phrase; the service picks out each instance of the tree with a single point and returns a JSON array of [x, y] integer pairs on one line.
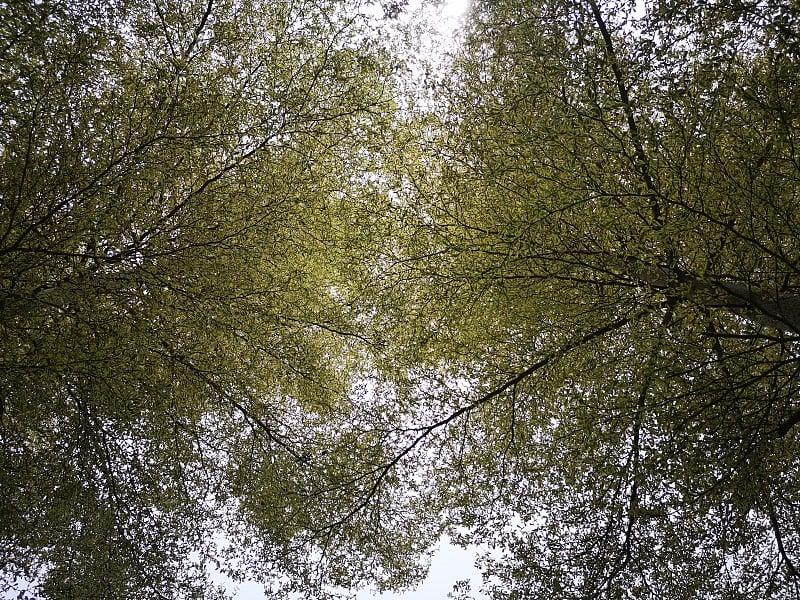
[[254, 312], [594, 298], [171, 177]]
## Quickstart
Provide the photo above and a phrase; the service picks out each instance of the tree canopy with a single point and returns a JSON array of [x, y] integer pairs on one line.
[[606, 246], [263, 310], [172, 175]]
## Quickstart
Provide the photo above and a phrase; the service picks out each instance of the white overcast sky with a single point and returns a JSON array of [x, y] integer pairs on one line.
[[449, 565]]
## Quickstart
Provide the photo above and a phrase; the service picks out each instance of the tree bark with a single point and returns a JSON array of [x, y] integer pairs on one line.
[[750, 302]]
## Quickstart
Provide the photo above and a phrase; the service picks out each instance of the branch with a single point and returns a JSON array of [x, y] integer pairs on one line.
[[423, 432], [627, 107], [787, 425], [782, 313], [199, 30], [743, 299], [254, 421], [633, 462], [776, 530], [62, 294]]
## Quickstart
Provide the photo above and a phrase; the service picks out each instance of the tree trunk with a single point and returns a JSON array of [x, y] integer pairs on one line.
[[774, 310]]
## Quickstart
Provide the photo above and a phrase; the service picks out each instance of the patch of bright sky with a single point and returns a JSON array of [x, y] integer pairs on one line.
[[452, 12], [446, 21], [449, 565]]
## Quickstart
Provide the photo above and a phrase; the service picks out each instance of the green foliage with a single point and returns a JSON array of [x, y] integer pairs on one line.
[[167, 170], [259, 312], [603, 245]]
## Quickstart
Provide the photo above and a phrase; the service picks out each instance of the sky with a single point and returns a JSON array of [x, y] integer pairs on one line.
[[450, 563]]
